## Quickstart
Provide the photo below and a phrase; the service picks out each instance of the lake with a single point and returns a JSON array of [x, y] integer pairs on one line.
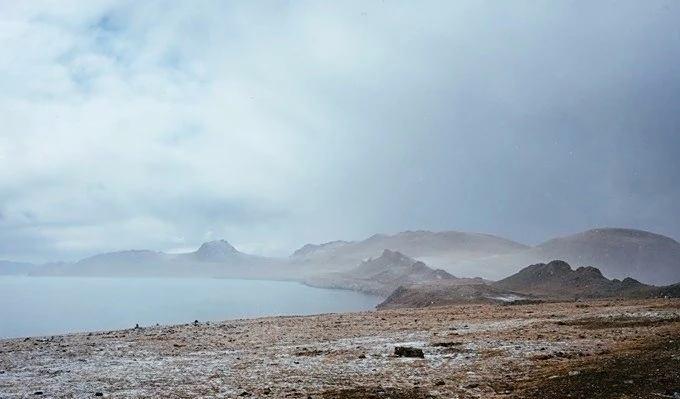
[[35, 306]]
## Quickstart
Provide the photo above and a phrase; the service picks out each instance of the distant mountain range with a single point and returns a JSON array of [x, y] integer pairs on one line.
[[619, 253], [14, 268], [212, 259]]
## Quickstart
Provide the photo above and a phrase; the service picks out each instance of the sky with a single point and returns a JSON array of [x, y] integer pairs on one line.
[[164, 124]]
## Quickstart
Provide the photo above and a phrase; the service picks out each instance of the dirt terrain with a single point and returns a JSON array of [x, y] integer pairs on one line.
[[596, 349]]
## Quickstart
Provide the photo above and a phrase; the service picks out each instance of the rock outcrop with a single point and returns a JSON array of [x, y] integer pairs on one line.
[[445, 293]]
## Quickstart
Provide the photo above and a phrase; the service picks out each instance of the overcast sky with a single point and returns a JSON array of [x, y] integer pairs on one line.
[[272, 124]]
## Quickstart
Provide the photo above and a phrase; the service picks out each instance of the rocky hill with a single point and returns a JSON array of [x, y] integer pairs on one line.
[[557, 279], [384, 274]]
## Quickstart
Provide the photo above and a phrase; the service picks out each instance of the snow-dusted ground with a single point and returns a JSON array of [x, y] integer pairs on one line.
[[470, 351]]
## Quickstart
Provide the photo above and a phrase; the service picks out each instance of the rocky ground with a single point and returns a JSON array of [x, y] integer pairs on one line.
[[599, 349]]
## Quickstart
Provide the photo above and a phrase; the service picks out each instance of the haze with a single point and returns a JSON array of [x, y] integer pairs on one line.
[[166, 124]]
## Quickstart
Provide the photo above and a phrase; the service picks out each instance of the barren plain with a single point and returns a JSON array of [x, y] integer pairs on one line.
[[595, 349]]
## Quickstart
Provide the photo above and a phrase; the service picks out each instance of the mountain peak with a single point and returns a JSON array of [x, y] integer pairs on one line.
[[216, 250], [395, 256]]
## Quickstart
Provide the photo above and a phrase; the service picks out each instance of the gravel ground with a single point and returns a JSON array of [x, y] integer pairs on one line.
[[616, 349]]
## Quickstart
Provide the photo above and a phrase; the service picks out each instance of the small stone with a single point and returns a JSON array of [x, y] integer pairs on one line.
[[573, 373], [407, 351], [439, 383]]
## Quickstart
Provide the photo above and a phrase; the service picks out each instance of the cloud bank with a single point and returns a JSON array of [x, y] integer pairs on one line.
[[163, 124]]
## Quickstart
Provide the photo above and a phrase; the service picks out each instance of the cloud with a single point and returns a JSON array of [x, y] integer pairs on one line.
[[272, 124]]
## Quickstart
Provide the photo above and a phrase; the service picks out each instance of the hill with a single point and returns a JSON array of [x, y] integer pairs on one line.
[[383, 275], [557, 279]]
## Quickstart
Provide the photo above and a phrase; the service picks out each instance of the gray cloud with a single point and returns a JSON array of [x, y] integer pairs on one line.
[[161, 124]]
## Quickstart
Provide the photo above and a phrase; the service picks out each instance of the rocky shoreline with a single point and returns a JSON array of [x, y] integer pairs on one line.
[[470, 351]]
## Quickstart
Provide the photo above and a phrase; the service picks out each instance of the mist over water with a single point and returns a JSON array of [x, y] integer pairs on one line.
[[35, 306]]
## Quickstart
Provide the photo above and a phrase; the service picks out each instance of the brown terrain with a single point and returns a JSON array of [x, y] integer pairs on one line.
[[594, 349]]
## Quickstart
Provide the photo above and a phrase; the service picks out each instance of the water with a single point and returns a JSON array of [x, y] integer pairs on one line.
[[35, 306]]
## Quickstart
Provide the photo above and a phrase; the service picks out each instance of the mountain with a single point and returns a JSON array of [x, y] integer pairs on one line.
[[440, 249], [652, 258], [618, 253], [446, 293], [116, 264], [217, 251], [557, 279], [312, 249], [384, 274], [15, 268], [211, 259]]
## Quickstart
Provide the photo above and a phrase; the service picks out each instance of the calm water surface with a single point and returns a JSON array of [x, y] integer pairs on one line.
[[33, 306]]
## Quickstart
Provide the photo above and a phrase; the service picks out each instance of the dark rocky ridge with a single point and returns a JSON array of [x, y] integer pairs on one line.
[[558, 279], [555, 280]]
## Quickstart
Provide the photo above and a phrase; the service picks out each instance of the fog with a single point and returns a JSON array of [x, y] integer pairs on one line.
[[166, 124]]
